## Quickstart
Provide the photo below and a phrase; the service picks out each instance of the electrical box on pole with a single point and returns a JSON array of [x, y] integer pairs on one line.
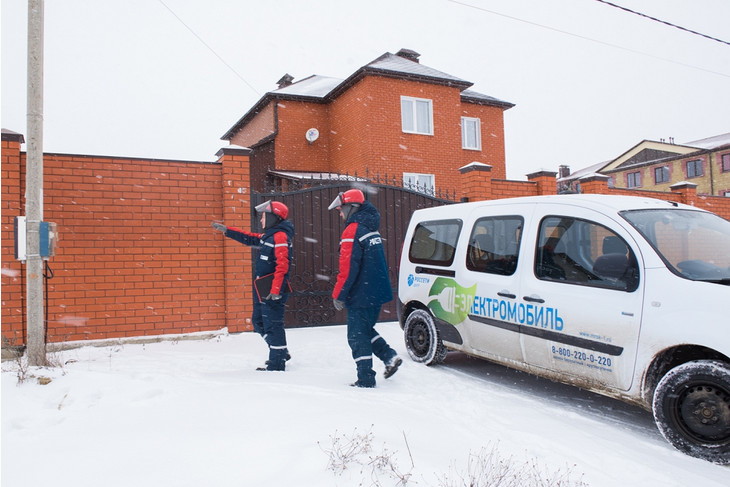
[[48, 239], [20, 243]]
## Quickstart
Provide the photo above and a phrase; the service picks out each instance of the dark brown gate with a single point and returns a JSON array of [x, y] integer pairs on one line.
[[317, 237]]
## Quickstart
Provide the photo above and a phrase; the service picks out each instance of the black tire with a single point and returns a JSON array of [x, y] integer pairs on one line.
[[692, 409], [422, 338]]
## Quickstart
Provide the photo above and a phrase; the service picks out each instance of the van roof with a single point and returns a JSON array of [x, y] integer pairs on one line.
[[602, 202]]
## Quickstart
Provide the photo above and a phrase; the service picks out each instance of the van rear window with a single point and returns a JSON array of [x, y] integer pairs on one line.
[[434, 242]]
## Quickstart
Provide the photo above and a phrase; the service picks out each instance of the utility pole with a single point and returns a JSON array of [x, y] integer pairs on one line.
[[36, 349]]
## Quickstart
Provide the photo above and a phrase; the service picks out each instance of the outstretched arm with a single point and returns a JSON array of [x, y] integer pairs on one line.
[[242, 236]]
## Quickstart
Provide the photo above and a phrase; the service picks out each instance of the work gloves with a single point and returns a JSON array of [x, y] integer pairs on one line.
[[219, 226], [273, 297], [339, 305]]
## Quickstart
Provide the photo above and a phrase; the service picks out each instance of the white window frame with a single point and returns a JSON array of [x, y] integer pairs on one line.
[[411, 123], [476, 125], [423, 183]]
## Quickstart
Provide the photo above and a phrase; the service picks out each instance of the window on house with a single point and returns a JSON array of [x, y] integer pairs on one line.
[[725, 162], [694, 168], [471, 137], [633, 180], [661, 174], [416, 115], [423, 183]]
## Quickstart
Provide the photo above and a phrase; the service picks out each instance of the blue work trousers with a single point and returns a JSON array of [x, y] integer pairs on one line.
[[364, 342], [268, 321]]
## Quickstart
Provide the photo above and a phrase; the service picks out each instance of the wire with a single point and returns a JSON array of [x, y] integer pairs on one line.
[[664, 22], [725, 75], [210, 48]]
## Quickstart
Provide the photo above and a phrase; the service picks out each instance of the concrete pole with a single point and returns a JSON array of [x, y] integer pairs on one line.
[[36, 350]]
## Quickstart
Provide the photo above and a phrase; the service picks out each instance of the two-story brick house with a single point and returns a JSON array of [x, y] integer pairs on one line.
[[393, 116], [657, 166]]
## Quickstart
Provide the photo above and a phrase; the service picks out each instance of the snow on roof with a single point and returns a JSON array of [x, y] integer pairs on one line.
[[398, 64], [470, 94], [315, 85], [711, 142], [585, 172]]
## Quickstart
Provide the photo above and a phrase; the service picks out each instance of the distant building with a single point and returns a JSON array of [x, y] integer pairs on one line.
[[393, 116], [657, 166]]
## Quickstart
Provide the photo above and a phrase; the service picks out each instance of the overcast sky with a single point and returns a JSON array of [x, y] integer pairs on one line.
[[167, 78]]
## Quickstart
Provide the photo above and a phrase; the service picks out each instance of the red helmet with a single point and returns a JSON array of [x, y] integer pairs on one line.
[[277, 208], [349, 197]]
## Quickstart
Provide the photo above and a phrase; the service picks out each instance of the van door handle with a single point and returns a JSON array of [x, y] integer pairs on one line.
[[506, 294], [533, 299]]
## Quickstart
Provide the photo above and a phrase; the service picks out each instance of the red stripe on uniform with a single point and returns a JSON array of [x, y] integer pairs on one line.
[[348, 237], [281, 251]]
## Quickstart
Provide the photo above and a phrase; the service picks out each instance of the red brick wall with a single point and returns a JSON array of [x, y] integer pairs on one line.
[[262, 125], [293, 151], [13, 273], [136, 254]]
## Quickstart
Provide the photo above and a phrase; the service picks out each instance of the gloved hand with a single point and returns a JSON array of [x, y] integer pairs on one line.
[[339, 305], [273, 297], [219, 226]]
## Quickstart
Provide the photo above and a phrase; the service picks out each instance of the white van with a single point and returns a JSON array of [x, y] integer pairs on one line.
[[624, 296]]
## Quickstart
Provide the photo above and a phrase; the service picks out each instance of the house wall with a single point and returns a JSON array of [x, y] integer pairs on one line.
[[369, 133], [713, 182], [722, 178], [260, 127], [293, 151], [360, 132]]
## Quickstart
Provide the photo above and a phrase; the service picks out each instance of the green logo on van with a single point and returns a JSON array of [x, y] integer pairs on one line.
[[451, 302]]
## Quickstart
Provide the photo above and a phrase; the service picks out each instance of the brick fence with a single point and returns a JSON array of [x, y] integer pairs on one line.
[[137, 255]]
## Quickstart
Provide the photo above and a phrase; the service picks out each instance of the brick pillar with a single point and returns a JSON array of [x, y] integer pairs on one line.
[[476, 181], [687, 192], [595, 185], [546, 182], [237, 261], [13, 272]]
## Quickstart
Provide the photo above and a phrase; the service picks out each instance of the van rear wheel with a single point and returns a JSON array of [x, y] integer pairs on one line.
[[692, 409], [422, 338]]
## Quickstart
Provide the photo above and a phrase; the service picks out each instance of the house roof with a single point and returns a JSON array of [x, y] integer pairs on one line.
[[314, 86], [711, 142], [404, 65]]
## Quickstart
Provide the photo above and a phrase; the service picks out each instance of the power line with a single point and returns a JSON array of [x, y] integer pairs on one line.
[[210, 48], [589, 39], [664, 22]]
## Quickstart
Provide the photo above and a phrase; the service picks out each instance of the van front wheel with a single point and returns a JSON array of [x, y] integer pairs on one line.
[[692, 409], [422, 338]]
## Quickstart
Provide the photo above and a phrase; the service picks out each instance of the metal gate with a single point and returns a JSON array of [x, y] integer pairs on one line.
[[316, 243]]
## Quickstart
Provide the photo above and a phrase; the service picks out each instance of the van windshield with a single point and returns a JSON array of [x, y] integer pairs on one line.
[[693, 244]]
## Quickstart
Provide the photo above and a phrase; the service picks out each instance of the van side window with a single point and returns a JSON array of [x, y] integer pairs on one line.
[[583, 252], [434, 242], [494, 245]]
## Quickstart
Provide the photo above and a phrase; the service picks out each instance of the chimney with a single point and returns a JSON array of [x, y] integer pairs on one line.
[[285, 81], [408, 54], [563, 171]]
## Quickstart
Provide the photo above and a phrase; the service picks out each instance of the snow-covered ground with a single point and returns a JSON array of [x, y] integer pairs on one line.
[[196, 413]]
